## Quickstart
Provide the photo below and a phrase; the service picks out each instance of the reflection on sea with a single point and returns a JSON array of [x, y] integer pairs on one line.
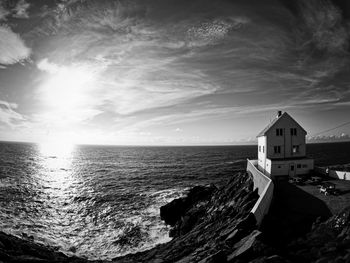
[[56, 174]]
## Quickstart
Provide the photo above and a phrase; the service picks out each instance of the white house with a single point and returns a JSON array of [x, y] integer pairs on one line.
[[282, 148]]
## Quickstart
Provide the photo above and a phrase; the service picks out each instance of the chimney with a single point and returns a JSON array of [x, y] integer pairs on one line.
[[279, 113]]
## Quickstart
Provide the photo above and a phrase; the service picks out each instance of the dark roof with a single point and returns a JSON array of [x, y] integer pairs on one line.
[[263, 132], [275, 120]]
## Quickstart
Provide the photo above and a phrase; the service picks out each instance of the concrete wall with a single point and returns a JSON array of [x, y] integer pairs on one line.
[[265, 189], [286, 141], [342, 175], [339, 175]]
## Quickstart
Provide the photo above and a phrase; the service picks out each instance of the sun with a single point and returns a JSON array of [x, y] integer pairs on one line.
[[66, 88], [65, 93]]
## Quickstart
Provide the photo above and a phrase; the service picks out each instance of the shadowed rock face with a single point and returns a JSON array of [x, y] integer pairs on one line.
[[172, 212]]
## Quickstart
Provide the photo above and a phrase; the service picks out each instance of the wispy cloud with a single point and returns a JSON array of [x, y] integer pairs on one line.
[[21, 9], [9, 116], [3, 12], [155, 63], [12, 47], [325, 29]]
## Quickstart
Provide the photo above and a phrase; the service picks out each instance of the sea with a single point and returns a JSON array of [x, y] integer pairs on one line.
[[100, 202]]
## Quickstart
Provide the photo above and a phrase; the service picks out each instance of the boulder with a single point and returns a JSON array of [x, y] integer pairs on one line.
[[172, 212]]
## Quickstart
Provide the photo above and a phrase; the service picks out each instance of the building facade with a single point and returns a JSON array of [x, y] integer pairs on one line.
[[282, 148]]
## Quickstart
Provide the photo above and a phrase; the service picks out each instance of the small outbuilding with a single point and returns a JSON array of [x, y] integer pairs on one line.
[[282, 148]]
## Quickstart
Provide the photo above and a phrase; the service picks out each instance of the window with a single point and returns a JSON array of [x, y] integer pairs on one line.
[[279, 167], [259, 148], [279, 132], [295, 148], [299, 165], [277, 149], [293, 131], [263, 148], [304, 165]]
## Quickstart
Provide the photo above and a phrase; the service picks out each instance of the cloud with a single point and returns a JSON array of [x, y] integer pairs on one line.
[[47, 66], [21, 9], [172, 62], [141, 62], [212, 31], [325, 29], [3, 12], [12, 47], [9, 116], [328, 138], [151, 60]]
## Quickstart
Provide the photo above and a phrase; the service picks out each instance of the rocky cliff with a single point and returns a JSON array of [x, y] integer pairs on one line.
[[214, 225], [207, 225]]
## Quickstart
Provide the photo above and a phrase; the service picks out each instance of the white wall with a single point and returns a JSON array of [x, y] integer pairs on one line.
[[265, 189], [342, 175], [268, 166], [339, 174], [262, 152], [287, 140]]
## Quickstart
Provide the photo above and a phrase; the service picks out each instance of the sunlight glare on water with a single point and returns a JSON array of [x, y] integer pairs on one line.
[[57, 165]]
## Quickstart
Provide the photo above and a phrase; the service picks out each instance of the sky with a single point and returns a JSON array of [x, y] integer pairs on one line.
[[171, 72]]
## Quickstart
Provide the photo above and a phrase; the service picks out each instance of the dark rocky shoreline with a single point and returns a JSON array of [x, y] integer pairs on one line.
[[214, 225]]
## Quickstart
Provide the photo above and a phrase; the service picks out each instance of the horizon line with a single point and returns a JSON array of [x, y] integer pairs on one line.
[[170, 145]]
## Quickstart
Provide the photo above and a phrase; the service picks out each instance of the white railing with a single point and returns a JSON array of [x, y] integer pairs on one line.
[[265, 189]]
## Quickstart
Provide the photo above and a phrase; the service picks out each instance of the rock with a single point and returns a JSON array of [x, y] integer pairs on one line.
[[232, 235], [218, 257], [244, 246], [29, 259], [274, 259], [172, 212], [227, 231], [322, 260], [72, 249], [249, 222]]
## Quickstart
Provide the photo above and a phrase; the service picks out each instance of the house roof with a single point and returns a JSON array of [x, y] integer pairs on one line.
[[276, 120]]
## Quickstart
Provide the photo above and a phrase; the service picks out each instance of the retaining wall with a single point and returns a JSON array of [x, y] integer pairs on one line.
[[339, 175], [265, 189], [333, 173]]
